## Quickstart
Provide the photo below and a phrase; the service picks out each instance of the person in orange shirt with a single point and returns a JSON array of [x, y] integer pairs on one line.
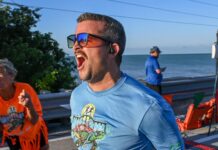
[[21, 122]]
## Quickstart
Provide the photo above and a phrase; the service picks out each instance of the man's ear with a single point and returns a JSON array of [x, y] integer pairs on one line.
[[114, 49], [111, 50]]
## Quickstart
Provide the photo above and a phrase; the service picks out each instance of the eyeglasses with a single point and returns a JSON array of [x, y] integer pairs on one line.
[[86, 40]]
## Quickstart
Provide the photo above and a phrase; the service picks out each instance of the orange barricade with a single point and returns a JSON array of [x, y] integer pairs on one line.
[[216, 105], [210, 112], [168, 98], [196, 117]]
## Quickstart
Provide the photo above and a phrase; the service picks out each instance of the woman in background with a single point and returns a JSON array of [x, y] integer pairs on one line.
[[20, 112]]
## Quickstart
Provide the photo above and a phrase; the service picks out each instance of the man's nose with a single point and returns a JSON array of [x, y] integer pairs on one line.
[[76, 46]]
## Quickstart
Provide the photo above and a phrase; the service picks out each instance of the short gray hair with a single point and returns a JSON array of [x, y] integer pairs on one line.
[[113, 30], [8, 65]]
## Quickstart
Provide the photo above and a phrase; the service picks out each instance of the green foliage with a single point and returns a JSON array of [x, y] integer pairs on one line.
[[37, 57], [198, 97], [48, 79]]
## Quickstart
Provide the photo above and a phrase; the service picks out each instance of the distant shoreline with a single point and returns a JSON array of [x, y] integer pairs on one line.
[[169, 54]]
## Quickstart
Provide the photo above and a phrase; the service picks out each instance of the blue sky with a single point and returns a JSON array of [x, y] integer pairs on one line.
[[146, 22]]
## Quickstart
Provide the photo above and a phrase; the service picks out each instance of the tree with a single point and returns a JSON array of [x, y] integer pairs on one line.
[[37, 57]]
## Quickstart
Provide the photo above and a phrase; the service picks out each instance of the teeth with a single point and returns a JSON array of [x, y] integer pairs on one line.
[[78, 56]]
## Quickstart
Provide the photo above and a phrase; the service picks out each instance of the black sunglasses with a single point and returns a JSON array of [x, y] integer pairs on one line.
[[83, 39]]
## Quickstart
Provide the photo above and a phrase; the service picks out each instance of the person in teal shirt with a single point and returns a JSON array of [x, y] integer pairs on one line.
[[109, 109]]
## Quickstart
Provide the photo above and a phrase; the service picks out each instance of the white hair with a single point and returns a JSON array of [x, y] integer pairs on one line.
[[8, 66]]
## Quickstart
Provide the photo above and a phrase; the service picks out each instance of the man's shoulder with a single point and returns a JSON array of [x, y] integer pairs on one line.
[[151, 59], [136, 85], [79, 88]]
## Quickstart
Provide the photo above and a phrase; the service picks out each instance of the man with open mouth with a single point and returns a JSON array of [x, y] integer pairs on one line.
[[111, 110]]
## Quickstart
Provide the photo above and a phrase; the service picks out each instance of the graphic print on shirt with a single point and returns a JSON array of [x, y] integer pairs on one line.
[[13, 119], [86, 130]]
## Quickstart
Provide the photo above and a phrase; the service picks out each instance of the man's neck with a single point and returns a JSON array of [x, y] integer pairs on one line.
[[108, 81]]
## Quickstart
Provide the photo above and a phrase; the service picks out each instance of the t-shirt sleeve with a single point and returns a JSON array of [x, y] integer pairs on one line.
[[159, 126], [156, 64]]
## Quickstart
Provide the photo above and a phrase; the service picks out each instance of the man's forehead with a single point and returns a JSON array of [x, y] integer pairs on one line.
[[90, 26]]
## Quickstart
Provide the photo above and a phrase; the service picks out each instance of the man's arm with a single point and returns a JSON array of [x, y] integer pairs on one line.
[[157, 67], [159, 71], [159, 126]]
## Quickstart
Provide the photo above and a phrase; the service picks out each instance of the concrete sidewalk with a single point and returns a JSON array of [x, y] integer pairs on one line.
[[64, 143]]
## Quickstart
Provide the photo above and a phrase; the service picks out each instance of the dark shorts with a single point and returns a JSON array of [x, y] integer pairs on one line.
[[156, 88], [17, 145]]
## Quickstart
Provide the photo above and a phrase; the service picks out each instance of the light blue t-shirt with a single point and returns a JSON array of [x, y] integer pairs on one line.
[[151, 65], [129, 116]]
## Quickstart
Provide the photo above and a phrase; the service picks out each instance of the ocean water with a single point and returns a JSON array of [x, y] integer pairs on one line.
[[178, 65]]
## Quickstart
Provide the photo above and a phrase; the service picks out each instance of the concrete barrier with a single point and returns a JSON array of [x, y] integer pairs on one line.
[[55, 105], [184, 89]]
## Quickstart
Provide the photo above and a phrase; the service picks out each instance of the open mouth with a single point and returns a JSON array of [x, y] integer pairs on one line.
[[80, 61]]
